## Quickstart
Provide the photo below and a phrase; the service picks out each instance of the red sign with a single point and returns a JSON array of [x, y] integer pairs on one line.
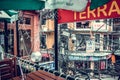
[[109, 10]]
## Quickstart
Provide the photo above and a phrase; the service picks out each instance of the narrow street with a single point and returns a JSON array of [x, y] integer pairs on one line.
[[60, 40]]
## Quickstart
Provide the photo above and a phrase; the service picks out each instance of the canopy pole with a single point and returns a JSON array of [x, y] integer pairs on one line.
[[6, 36], [17, 39], [56, 38]]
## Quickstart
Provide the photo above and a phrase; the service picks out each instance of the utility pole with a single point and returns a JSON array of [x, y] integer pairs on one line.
[[56, 38]]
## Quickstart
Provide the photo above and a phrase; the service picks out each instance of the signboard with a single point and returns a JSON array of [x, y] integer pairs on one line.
[[109, 10], [90, 45], [100, 26]]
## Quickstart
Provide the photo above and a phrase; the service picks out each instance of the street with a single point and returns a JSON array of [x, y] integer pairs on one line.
[[103, 78]]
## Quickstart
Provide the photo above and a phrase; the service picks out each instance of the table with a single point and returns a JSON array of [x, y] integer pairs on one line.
[[39, 75]]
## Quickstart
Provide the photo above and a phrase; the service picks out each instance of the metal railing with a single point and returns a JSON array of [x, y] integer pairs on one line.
[[38, 66]]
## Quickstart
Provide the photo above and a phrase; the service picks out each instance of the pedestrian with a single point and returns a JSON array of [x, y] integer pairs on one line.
[[113, 60], [119, 77]]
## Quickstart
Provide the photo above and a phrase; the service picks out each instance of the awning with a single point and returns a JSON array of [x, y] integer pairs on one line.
[[21, 5], [89, 56], [11, 12], [4, 15], [8, 15]]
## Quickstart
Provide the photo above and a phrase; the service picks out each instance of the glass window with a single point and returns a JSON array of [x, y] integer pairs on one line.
[[84, 24], [116, 20], [1, 39], [115, 42], [43, 21], [116, 24], [43, 41], [28, 21], [25, 42], [110, 22], [97, 21], [63, 26], [97, 42], [105, 20], [25, 20], [10, 41], [105, 42], [1, 53], [78, 25]]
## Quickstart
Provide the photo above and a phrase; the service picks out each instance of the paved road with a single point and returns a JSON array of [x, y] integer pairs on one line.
[[103, 78]]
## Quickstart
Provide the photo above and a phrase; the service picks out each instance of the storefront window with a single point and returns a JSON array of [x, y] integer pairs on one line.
[[1, 38], [10, 41], [25, 42]]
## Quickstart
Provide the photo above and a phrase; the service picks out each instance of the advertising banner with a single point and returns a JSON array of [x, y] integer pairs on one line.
[[109, 10]]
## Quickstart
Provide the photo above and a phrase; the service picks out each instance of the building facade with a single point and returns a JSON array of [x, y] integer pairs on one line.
[[27, 34], [90, 43], [83, 45]]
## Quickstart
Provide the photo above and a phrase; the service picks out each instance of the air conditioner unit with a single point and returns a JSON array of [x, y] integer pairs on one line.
[[44, 28]]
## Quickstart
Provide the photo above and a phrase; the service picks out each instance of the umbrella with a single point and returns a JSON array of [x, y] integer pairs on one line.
[[21, 5], [4, 16], [8, 15]]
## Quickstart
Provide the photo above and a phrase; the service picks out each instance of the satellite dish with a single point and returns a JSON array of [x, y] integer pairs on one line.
[[36, 56]]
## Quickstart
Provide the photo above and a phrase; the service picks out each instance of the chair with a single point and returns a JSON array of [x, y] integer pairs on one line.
[[6, 69], [14, 66]]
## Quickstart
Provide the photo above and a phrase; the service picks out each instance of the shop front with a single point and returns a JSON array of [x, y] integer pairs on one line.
[[93, 61]]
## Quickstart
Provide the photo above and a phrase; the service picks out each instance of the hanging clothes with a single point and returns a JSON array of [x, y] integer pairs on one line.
[[113, 59]]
